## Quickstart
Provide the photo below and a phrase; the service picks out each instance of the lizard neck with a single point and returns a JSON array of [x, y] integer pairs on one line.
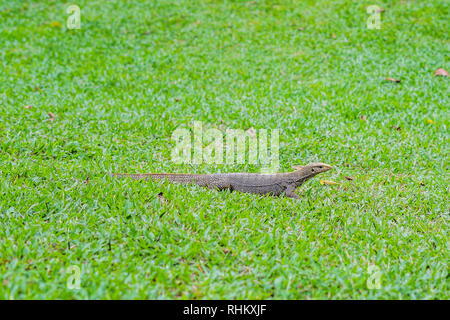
[[300, 177]]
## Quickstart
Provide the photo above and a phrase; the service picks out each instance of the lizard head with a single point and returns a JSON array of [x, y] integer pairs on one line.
[[312, 169]]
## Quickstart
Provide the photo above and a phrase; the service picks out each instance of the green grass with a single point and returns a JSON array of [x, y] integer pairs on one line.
[[118, 93]]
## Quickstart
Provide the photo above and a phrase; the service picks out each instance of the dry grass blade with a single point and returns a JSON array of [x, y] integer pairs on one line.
[[393, 80]]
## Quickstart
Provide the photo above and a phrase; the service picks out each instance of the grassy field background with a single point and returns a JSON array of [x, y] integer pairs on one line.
[[135, 71]]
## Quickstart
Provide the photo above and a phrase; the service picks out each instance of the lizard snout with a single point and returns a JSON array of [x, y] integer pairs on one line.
[[322, 167]]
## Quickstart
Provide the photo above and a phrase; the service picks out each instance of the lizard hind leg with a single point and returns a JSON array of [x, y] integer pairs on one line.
[[220, 186]]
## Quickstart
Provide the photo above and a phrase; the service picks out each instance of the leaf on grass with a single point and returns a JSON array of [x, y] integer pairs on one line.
[[398, 128], [422, 184], [225, 250], [300, 28], [363, 117], [333, 36], [328, 182], [55, 24], [429, 121], [51, 116], [86, 181], [348, 178], [27, 107], [441, 72], [393, 80]]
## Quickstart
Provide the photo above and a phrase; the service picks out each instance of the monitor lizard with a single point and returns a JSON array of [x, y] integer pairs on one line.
[[257, 183]]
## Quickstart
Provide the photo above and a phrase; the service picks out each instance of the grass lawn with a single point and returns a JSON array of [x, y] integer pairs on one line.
[[116, 90]]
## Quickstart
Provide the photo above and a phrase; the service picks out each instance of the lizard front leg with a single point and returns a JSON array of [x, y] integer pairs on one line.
[[290, 191]]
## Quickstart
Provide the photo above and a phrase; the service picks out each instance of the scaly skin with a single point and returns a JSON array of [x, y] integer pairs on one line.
[[270, 184]]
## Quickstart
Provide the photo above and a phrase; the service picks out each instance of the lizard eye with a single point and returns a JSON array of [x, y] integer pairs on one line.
[[313, 170]]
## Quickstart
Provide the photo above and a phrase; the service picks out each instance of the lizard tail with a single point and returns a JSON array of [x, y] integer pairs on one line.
[[171, 177]]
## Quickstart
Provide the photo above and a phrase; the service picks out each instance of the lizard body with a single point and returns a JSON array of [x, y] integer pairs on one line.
[[270, 184]]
